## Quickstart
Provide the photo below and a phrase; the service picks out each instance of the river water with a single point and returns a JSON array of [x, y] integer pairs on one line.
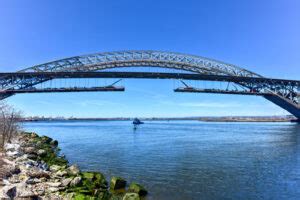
[[182, 160]]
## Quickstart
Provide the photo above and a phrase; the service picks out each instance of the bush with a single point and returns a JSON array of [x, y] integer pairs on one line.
[[9, 123]]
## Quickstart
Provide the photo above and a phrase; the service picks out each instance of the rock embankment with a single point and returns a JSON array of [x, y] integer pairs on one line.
[[35, 170]]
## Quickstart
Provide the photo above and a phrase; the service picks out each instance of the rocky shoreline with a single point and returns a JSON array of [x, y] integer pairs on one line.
[[35, 170]]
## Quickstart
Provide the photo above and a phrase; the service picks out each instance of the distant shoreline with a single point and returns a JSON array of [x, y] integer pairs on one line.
[[203, 119]]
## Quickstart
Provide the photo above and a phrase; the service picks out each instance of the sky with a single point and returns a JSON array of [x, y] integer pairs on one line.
[[261, 36]]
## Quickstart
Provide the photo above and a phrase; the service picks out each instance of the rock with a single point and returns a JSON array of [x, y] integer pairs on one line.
[[43, 179], [39, 143], [54, 143], [11, 147], [70, 195], [46, 139], [15, 169], [8, 192], [22, 158], [136, 188], [131, 196], [55, 168], [32, 156], [29, 150], [73, 170], [33, 181], [35, 172], [61, 173], [41, 152], [53, 189], [40, 190], [117, 183], [66, 182], [14, 179], [34, 135], [24, 192], [95, 178], [43, 165], [76, 181], [23, 177], [4, 196], [53, 184], [13, 154]]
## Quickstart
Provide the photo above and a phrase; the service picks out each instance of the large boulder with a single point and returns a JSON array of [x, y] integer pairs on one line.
[[14, 179], [54, 143], [11, 146], [41, 152], [76, 181], [94, 179], [66, 182], [23, 191], [131, 196], [8, 192], [29, 150], [54, 184], [117, 183], [46, 139], [34, 135], [35, 172], [55, 168], [137, 188], [32, 156], [73, 170], [61, 173]]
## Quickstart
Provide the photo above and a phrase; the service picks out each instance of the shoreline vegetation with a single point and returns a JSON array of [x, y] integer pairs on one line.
[[35, 169], [284, 118]]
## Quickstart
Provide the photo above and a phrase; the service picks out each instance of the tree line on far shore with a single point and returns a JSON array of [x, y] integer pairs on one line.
[[9, 123]]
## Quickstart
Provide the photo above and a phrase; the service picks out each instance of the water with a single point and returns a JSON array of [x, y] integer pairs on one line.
[[182, 160]]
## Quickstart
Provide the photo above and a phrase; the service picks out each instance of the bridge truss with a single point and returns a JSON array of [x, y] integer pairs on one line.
[[284, 93]]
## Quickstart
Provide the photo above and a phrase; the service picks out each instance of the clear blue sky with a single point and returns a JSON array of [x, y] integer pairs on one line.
[[262, 36]]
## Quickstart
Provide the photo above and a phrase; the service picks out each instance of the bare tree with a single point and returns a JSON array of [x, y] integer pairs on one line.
[[9, 123]]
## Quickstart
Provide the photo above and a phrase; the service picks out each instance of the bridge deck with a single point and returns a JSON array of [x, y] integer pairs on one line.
[[218, 91], [74, 89], [150, 75]]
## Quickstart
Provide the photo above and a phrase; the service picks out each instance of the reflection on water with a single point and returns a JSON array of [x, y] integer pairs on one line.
[[188, 159]]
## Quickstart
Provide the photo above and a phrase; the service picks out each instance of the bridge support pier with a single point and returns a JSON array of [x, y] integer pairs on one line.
[[285, 104]]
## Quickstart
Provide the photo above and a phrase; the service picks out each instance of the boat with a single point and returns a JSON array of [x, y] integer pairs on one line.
[[136, 121]]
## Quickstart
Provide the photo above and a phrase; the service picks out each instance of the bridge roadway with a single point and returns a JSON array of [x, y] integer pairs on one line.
[[148, 75]]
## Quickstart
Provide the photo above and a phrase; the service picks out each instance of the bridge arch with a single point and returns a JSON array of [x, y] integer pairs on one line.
[[143, 58]]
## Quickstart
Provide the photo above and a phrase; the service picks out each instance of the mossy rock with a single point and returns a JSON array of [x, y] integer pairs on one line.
[[33, 135], [46, 139], [88, 175], [117, 183], [100, 196], [52, 159], [94, 180], [83, 197], [80, 190], [54, 143], [131, 196], [137, 188]]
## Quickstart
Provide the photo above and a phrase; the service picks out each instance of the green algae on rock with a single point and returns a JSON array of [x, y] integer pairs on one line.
[[117, 183], [131, 196], [137, 188]]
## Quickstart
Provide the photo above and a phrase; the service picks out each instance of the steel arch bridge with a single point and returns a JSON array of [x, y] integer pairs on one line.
[[284, 93]]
